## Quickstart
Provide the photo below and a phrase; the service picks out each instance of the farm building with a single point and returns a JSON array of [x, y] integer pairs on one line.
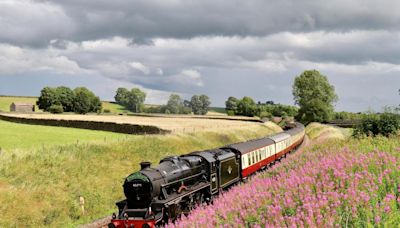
[[22, 107]]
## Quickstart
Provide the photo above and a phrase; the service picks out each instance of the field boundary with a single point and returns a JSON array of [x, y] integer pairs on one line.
[[90, 125]]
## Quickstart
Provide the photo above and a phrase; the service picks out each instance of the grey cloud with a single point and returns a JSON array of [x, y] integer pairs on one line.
[[143, 20]]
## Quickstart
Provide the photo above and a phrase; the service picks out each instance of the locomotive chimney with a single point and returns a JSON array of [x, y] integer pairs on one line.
[[144, 165]]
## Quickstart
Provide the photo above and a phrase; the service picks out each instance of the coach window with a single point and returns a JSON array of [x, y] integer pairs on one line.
[[248, 159]]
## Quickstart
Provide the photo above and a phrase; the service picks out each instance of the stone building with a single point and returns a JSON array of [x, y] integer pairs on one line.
[[22, 107]]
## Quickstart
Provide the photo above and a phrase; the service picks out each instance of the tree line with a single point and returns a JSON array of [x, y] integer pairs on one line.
[[248, 107], [134, 99], [62, 99]]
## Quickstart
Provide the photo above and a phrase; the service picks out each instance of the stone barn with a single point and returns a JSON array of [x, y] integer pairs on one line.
[[22, 107]]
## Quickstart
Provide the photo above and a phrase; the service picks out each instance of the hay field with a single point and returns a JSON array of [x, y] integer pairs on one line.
[[177, 124]]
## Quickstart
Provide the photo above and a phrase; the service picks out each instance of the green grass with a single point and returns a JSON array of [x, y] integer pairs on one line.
[[41, 186], [5, 102], [320, 131], [25, 136], [114, 108], [217, 109]]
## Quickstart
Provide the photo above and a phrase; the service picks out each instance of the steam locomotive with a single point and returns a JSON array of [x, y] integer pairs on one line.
[[156, 195]]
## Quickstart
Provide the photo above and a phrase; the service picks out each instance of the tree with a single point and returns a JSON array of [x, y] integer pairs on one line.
[[85, 101], [48, 97], [136, 99], [205, 104], [195, 104], [247, 107], [174, 104], [200, 104], [65, 96], [122, 96], [315, 96], [231, 104]]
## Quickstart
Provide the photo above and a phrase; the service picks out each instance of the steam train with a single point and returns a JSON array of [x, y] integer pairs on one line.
[[156, 195]]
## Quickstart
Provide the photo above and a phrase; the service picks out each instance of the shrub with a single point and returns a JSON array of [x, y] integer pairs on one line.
[[56, 109], [372, 124], [106, 111], [265, 114], [230, 112]]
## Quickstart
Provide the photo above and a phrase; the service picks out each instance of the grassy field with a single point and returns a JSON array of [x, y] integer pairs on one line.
[[5, 102], [25, 136], [114, 108], [41, 186]]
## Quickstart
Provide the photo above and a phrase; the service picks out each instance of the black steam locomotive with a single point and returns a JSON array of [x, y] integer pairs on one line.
[[155, 195]]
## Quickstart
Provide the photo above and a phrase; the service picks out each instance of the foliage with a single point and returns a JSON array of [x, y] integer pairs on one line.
[[176, 105], [232, 104], [93, 164], [378, 124], [106, 110], [85, 101], [56, 109], [325, 186], [81, 100], [65, 96], [200, 104], [315, 96], [348, 116], [132, 100], [48, 97], [278, 110], [122, 96], [247, 107]]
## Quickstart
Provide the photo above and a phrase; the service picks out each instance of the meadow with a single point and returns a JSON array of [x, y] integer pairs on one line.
[[5, 102], [41, 185], [25, 136], [335, 182]]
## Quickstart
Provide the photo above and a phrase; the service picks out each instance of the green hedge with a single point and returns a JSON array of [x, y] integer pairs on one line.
[[91, 125]]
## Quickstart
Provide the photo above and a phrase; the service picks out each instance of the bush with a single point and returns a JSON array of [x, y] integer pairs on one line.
[[265, 114], [373, 124], [56, 109], [230, 112], [106, 111]]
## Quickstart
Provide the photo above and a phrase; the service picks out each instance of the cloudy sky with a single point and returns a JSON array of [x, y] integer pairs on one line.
[[219, 48]]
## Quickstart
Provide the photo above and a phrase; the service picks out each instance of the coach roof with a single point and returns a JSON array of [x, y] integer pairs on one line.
[[280, 137], [252, 145]]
